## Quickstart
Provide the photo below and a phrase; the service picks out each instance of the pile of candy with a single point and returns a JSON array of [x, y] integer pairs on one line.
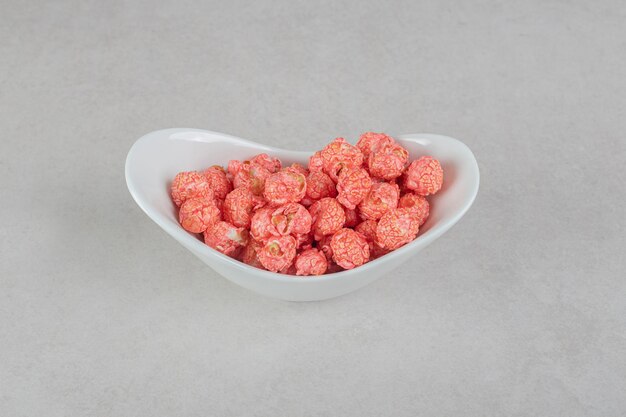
[[350, 205]]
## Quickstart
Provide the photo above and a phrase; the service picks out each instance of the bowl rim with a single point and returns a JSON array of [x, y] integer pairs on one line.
[[182, 235]]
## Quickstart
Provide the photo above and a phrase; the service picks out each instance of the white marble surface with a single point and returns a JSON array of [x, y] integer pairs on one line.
[[520, 310]]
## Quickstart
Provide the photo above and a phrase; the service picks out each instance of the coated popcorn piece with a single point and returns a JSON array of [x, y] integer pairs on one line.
[[352, 218], [297, 168], [250, 254], [396, 228], [311, 262], [324, 245], [418, 204], [226, 238], [188, 185], [368, 229], [239, 205], [338, 155], [353, 185], [350, 248], [261, 227], [218, 181], [319, 185], [328, 216], [285, 187], [382, 197], [278, 253], [424, 176], [292, 218], [268, 162], [371, 141], [388, 161], [198, 214], [316, 163], [251, 176], [304, 241]]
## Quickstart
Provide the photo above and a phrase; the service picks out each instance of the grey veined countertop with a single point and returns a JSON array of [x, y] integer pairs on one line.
[[519, 310]]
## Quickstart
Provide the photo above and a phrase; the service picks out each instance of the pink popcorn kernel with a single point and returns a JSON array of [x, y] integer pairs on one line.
[[338, 155], [417, 203], [350, 248], [297, 168], [198, 214], [285, 187], [251, 176], [278, 253], [319, 185], [396, 228], [424, 176], [328, 216], [353, 185], [226, 238], [188, 185], [311, 262], [304, 240], [388, 161], [352, 218], [218, 181], [239, 205], [250, 254], [323, 244], [368, 229], [316, 163], [261, 227], [370, 142], [292, 218], [268, 162], [382, 197]]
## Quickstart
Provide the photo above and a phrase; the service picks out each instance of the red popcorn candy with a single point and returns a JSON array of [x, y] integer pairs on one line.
[[278, 253], [319, 185], [248, 175], [311, 262], [226, 238], [316, 163], [218, 181], [297, 168], [198, 214], [397, 227], [239, 205], [338, 155], [285, 187], [353, 185], [352, 218], [328, 217], [268, 162], [324, 245], [424, 176], [188, 185], [250, 254], [292, 218], [368, 229], [304, 240], [382, 197], [261, 226], [350, 248], [370, 142], [388, 161], [418, 204]]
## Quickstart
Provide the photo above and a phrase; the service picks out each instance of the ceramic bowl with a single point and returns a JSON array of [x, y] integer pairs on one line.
[[157, 157]]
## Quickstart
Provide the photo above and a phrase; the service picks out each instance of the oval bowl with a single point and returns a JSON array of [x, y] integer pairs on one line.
[[157, 157]]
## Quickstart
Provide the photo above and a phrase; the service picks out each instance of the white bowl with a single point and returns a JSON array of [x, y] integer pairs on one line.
[[157, 157]]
